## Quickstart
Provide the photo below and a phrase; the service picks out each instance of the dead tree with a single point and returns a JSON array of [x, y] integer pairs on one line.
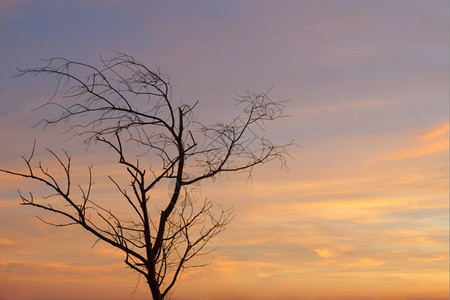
[[129, 107]]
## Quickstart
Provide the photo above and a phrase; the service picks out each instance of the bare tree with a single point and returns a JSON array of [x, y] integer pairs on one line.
[[129, 107]]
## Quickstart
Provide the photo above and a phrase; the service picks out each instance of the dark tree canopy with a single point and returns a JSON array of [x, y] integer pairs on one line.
[[129, 107]]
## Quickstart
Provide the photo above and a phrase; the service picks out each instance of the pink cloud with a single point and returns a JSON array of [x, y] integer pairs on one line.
[[7, 5]]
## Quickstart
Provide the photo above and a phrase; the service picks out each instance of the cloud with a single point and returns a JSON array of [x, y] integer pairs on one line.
[[348, 110], [13, 10], [6, 5], [365, 262], [437, 132], [325, 253], [427, 259], [6, 241], [436, 140]]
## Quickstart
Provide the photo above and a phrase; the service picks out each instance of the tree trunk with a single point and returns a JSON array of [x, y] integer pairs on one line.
[[155, 292]]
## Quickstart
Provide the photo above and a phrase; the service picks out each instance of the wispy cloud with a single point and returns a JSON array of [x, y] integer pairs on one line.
[[434, 141]]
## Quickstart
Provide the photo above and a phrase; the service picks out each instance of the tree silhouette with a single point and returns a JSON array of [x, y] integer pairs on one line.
[[129, 107]]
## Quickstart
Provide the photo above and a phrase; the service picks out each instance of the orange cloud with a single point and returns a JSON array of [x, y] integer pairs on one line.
[[434, 141], [5, 241], [365, 262], [439, 131], [325, 253], [437, 257]]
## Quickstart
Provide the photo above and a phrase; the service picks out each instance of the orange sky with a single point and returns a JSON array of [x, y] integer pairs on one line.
[[362, 211]]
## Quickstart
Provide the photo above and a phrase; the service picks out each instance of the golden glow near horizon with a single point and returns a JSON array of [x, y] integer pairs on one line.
[[360, 213]]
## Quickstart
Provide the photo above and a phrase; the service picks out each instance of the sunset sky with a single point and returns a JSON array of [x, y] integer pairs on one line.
[[362, 212]]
